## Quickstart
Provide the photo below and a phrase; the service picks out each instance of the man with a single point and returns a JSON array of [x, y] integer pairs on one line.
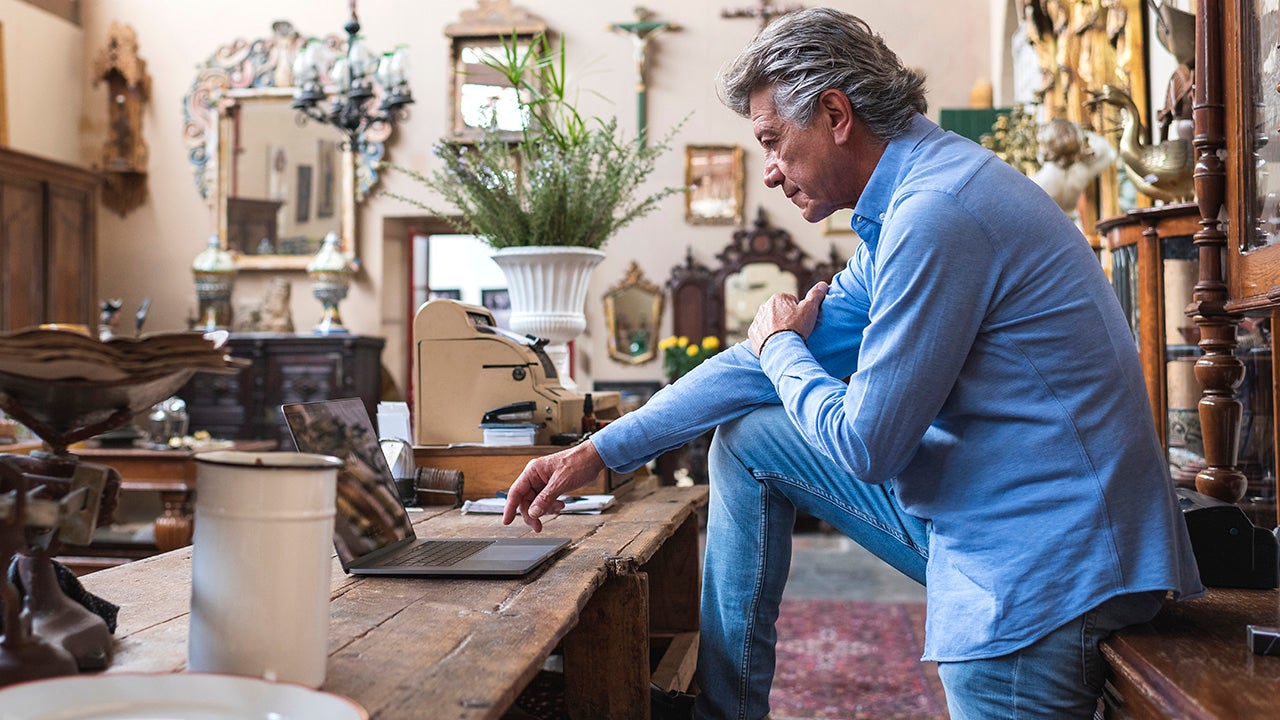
[[993, 439]]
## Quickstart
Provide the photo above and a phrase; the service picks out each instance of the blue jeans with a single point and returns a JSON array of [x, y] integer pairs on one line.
[[762, 470]]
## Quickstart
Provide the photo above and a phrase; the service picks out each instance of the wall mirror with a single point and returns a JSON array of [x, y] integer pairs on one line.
[[713, 178], [275, 185], [747, 289], [632, 312], [759, 261], [479, 95]]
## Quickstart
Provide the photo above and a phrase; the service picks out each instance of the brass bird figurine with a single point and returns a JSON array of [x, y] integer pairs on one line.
[[1162, 171]]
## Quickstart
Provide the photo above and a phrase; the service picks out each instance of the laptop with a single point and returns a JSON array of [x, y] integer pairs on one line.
[[372, 532]]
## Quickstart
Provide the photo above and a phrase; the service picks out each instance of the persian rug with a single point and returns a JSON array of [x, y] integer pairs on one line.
[[853, 660], [837, 660]]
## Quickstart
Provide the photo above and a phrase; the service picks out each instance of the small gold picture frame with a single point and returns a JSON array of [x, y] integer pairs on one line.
[[714, 185]]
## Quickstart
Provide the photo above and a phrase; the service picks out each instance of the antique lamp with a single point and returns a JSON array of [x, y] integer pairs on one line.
[[330, 274], [215, 273]]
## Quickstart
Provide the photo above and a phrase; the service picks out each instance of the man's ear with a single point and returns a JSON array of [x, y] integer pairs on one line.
[[834, 105]]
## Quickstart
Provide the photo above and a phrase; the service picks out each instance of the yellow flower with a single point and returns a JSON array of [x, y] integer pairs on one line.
[[682, 341], [710, 342], [667, 343], [692, 351]]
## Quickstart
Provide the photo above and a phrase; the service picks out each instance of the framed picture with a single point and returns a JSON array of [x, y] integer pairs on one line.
[[632, 393], [326, 157], [303, 212], [277, 167], [498, 302], [713, 178], [447, 294]]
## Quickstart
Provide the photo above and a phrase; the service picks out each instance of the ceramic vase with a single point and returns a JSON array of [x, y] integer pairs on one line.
[[548, 288]]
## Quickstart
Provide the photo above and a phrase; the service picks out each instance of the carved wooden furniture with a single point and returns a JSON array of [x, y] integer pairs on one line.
[[428, 647], [171, 474], [1192, 662], [700, 300], [1137, 242], [286, 368], [48, 242], [1235, 130]]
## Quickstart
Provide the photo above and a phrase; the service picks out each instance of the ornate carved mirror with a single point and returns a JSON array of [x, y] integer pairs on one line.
[[758, 263], [632, 311], [276, 185]]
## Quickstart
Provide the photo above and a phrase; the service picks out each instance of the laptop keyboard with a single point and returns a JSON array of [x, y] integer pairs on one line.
[[440, 553]]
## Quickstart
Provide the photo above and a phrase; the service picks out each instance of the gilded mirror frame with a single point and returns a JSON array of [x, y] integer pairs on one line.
[[486, 25], [263, 68], [634, 280], [715, 184]]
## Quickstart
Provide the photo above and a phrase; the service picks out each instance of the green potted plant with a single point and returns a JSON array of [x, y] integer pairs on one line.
[[547, 201]]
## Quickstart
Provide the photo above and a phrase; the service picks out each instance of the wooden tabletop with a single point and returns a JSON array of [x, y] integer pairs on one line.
[[1192, 661], [402, 646]]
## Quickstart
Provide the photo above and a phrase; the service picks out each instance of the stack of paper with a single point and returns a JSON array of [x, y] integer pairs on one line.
[[393, 421], [580, 505]]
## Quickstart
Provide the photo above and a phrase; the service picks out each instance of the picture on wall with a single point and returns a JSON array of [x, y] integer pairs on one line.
[[326, 157], [277, 167], [448, 294], [304, 194], [713, 177], [498, 302]]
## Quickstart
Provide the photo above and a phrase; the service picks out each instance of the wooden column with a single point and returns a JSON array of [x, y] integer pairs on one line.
[[1219, 371]]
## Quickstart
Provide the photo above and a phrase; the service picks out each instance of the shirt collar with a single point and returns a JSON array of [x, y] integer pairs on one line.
[[868, 214]]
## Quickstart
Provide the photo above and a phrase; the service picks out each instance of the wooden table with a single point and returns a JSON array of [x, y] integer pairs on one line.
[[1192, 662], [171, 473], [459, 648]]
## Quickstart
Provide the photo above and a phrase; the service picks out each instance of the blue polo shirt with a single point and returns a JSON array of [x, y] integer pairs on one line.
[[992, 378]]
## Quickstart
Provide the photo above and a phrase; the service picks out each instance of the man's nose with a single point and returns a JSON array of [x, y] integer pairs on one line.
[[772, 175]]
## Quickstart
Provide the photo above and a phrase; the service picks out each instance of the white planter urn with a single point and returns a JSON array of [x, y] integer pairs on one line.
[[548, 288]]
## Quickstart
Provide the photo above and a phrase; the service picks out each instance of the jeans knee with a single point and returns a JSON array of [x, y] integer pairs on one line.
[[751, 432]]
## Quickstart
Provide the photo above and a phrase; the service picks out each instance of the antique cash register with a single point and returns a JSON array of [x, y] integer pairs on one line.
[[467, 368]]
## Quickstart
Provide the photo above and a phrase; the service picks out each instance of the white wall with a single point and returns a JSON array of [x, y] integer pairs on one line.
[[148, 253], [46, 74]]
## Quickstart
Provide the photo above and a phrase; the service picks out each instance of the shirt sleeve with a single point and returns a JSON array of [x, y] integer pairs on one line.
[[731, 384], [931, 280]]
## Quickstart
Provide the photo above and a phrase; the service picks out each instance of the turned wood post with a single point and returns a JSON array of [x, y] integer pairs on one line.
[[1219, 371]]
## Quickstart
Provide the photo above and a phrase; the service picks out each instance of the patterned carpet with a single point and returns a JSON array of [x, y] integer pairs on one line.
[[837, 660], [853, 660]]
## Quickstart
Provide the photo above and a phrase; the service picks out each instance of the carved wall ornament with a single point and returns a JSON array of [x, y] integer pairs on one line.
[[124, 155]]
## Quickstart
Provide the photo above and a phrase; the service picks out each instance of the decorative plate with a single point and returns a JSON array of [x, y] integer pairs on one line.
[[180, 696]]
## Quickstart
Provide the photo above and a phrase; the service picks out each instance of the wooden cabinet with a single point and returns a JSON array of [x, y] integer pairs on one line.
[[285, 368], [48, 215]]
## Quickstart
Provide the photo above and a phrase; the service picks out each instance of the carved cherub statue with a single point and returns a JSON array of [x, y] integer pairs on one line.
[[1070, 159]]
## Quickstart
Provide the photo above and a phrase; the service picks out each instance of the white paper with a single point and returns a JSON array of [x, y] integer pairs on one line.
[[588, 505]]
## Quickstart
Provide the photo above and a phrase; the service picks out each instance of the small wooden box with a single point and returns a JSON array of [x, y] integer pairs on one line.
[[488, 470]]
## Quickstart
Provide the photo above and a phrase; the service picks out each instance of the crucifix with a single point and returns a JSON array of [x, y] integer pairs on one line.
[[766, 12], [642, 31]]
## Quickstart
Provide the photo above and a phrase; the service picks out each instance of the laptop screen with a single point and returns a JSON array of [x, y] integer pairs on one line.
[[369, 514]]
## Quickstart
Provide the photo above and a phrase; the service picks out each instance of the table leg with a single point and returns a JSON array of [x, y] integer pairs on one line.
[[176, 523], [606, 657]]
